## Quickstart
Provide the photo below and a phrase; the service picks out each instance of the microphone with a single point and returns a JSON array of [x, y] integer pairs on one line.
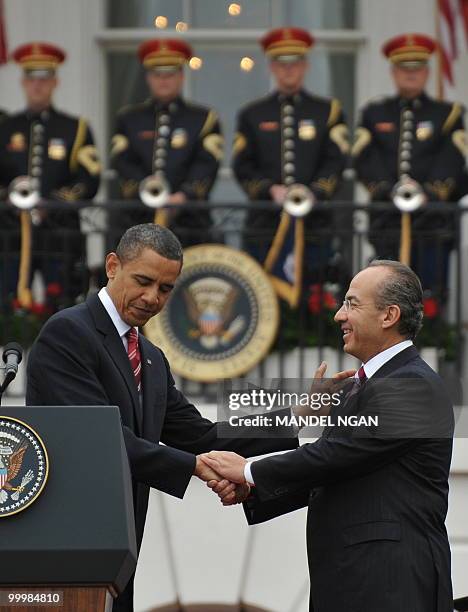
[[12, 356]]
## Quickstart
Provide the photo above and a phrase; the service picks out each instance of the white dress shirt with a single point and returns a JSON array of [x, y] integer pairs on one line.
[[370, 368], [120, 325], [374, 364]]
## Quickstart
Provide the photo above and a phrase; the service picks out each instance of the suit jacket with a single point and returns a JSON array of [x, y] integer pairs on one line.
[[376, 537], [79, 359]]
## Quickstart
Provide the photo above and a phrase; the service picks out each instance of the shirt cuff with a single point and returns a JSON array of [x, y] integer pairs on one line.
[[248, 473]]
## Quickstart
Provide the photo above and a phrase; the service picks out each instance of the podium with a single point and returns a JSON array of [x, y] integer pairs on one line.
[[74, 547]]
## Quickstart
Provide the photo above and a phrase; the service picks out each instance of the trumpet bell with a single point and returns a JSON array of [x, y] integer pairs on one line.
[[154, 191], [299, 201], [24, 193], [408, 196]]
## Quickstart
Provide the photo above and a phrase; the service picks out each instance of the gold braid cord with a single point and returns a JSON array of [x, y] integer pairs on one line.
[[405, 239], [23, 291]]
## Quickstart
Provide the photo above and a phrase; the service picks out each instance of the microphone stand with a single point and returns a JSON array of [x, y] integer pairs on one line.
[[9, 377], [12, 356]]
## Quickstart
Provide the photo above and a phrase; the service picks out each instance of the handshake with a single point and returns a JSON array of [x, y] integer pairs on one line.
[[223, 472]]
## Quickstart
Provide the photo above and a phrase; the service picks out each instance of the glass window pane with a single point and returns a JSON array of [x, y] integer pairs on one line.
[[331, 74], [223, 85], [323, 14], [142, 13], [127, 83], [327, 14], [216, 14]]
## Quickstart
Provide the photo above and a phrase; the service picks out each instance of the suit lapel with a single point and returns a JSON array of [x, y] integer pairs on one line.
[[115, 348], [397, 362], [148, 384]]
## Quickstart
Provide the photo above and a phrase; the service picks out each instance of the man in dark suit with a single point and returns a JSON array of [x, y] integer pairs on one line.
[[377, 498], [92, 354]]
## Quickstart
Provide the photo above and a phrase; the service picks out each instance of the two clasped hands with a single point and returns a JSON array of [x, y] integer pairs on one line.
[[225, 472]]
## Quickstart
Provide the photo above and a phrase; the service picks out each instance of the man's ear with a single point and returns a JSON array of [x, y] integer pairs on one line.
[[392, 316], [112, 265]]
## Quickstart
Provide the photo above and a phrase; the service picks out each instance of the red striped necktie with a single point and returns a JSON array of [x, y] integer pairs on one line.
[[358, 383], [133, 351], [362, 375]]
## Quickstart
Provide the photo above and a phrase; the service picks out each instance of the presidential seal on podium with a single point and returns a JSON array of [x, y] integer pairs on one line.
[[24, 466]]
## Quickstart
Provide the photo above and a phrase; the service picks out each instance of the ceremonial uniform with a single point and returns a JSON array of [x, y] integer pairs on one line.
[[56, 149], [288, 140], [420, 139], [57, 152], [423, 138], [182, 140], [178, 141]]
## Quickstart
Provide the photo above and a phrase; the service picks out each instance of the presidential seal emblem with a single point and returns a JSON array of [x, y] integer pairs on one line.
[[222, 316], [24, 466]]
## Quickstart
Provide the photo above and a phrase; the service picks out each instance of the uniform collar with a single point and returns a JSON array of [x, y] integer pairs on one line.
[[293, 99], [172, 106], [42, 116], [413, 103]]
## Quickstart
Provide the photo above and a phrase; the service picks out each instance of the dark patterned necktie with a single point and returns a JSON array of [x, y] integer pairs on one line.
[[358, 384], [362, 376], [133, 351]]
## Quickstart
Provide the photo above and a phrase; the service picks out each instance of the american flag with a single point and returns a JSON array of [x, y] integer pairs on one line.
[[452, 34]]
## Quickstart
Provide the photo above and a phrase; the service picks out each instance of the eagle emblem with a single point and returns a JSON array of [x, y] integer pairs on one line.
[[210, 304], [23, 466]]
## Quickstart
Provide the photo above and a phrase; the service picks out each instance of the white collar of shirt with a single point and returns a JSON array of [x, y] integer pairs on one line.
[[120, 325], [374, 364]]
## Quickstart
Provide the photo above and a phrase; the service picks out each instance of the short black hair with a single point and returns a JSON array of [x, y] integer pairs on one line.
[[403, 288], [149, 236]]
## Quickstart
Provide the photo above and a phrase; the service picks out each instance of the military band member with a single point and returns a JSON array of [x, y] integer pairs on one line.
[[290, 136], [172, 138], [56, 151], [412, 136]]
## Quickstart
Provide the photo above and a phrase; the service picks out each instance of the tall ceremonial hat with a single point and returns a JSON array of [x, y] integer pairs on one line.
[[287, 44], [39, 59], [409, 50], [165, 54]]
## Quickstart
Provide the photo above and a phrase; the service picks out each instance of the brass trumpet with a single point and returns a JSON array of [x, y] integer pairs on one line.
[[299, 200], [408, 195], [23, 192], [154, 190]]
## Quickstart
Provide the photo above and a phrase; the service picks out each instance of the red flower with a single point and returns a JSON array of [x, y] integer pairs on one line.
[[329, 300], [17, 304], [39, 309], [431, 307], [319, 299], [54, 289], [315, 299]]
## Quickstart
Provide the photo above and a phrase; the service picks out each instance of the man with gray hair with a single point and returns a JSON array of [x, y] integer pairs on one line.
[[377, 497], [93, 355]]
